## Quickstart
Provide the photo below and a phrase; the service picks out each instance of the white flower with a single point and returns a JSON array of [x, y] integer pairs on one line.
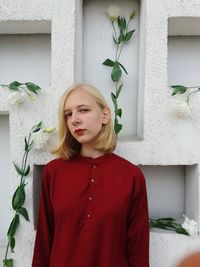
[[113, 12], [40, 140], [181, 108], [191, 226], [16, 97]]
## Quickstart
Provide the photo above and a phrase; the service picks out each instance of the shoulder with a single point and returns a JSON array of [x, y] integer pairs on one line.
[[125, 164], [128, 169], [55, 164]]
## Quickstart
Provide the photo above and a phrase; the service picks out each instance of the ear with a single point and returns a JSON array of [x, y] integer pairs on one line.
[[106, 116]]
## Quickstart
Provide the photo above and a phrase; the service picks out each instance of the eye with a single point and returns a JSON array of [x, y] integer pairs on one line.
[[84, 110], [68, 114]]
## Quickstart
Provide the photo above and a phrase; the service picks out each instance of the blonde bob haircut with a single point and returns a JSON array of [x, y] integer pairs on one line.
[[67, 145]]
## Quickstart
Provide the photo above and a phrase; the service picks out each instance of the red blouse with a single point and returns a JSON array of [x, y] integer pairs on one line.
[[93, 213]]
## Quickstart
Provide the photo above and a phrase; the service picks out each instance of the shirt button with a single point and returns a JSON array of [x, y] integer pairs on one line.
[[88, 215], [92, 180], [94, 166], [90, 198]]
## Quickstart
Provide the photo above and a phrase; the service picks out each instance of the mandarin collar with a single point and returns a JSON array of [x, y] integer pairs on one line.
[[97, 160]]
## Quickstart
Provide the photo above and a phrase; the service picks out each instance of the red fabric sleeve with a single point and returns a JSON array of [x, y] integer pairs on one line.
[[45, 227], [138, 225]]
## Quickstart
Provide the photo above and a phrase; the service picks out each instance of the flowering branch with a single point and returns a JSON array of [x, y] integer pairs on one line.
[[120, 38], [19, 196], [182, 108], [19, 91]]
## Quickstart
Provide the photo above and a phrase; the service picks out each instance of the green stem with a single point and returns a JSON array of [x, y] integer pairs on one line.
[[188, 96], [24, 161], [116, 107], [8, 244], [193, 86], [4, 85], [115, 35], [123, 41], [6, 255]]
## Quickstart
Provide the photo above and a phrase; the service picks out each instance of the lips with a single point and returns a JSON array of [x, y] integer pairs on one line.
[[79, 131]]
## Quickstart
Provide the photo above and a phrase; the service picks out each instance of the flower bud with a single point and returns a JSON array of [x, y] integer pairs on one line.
[[49, 130], [132, 14], [181, 108]]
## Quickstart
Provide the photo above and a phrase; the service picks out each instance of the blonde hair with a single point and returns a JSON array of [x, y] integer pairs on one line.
[[67, 145]]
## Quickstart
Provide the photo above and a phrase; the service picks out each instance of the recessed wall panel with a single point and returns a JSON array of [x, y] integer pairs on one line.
[[98, 45]]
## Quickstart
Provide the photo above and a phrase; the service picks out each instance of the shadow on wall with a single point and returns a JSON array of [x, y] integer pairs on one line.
[[37, 179]]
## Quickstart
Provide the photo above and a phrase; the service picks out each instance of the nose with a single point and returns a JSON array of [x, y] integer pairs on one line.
[[75, 119]]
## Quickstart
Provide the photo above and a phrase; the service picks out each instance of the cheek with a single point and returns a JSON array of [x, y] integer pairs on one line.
[[96, 122]]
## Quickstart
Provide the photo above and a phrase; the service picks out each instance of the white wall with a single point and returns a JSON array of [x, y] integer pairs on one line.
[[183, 60], [29, 58], [5, 179]]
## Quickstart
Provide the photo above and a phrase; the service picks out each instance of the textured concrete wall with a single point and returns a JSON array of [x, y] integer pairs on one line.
[[165, 139]]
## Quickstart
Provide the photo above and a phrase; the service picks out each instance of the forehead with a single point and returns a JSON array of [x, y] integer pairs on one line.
[[79, 97]]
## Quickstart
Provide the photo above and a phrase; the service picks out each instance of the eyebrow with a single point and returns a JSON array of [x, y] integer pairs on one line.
[[79, 106]]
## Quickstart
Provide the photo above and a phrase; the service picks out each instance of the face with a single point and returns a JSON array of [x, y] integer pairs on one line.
[[84, 117]]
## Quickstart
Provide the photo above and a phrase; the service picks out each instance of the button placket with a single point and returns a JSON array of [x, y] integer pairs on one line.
[[90, 197]]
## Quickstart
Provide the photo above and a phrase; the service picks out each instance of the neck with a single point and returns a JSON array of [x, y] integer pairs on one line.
[[89, 152]]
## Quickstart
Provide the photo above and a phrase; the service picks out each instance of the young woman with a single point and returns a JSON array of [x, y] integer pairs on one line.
[[93, 207]]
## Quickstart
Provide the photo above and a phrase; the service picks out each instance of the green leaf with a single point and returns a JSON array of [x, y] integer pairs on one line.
[[122, 67], [8, 262], [37, 127], [18, 197], [31, 145], [13, 226], [167, 219], [19, 171], [120, 38], [108, 62], [14, 85], [24, 213], [182, 231], [119, 90], [113, 96], [12, 243], [116, 72], [118, 128], [26, 144], [114, 100], [178, 89], [115, 41], [32, 87], [27, 171], [128, 35], [119, 112]]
